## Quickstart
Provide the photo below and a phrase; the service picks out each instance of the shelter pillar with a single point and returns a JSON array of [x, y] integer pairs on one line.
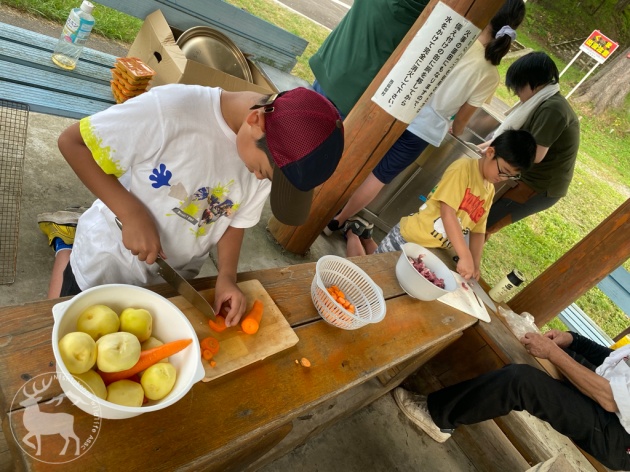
[[580, 269]]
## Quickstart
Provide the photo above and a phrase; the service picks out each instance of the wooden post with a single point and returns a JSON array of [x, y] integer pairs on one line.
[[581, 268], [369, 133]]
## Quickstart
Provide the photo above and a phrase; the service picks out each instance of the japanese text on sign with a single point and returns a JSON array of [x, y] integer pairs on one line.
[[598, 46], [425, 63]]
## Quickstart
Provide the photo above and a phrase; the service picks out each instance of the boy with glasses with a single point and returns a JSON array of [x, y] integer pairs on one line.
[[457, 208]]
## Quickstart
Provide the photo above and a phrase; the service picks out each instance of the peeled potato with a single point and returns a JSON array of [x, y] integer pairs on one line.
[[126, 393], [158, 380]]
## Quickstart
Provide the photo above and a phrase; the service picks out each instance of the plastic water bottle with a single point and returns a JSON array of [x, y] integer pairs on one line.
[[74, 35]]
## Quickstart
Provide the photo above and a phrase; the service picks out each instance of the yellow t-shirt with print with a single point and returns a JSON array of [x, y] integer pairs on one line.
[[464, 189]]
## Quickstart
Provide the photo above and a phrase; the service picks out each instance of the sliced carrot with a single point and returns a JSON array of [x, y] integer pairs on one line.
[[213, 363], [340, 298], [207, 354], [218, 325], [251, 322], [210, 344], [147, 359]]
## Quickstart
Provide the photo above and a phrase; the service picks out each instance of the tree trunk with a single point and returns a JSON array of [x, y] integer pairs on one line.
[[621, 5], [609, 88]]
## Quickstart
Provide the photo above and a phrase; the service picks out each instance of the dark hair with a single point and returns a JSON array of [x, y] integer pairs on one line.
[[511, 14], [533, 69], [517, 147]]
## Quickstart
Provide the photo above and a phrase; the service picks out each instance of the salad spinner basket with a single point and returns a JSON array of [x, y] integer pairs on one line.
[[358, 288]]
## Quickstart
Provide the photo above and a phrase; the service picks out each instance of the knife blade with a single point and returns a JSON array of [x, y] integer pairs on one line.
[[481, 293], [183, 287], [476, 297]]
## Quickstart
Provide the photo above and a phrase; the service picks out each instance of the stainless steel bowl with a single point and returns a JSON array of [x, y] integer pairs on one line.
[[214, 49]]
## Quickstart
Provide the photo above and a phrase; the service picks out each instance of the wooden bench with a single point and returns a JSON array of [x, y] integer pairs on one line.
[[27, 74], [615, 286]]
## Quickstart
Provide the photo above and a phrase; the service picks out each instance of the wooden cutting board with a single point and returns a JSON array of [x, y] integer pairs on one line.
[[237, 349]]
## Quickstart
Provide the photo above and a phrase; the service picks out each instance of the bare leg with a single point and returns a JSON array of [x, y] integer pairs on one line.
[[361, 198], [62, 258], [353, 245], [369, 245]]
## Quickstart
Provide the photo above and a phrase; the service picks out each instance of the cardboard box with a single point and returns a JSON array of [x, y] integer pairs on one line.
[[155, 45]]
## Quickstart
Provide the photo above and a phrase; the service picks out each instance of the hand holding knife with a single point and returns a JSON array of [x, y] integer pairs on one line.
[[182, 286]]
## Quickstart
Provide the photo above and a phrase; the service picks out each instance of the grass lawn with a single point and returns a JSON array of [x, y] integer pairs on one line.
[[601, 182]]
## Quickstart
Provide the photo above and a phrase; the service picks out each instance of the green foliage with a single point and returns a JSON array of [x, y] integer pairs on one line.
[[108, 22]]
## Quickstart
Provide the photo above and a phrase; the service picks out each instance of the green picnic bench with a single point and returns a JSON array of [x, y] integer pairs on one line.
[[27, 74]]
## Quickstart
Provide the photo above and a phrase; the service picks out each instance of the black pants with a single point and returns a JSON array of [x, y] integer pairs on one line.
[[69, 285], [522, 387], [515, 204]]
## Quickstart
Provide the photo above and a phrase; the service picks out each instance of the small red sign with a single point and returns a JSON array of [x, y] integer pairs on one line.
[[598, 46]]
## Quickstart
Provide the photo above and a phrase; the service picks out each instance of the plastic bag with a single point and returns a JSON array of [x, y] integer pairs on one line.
[[519, 324]]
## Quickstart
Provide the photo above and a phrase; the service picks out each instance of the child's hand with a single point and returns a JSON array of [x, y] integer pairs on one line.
[[141, 237], [228, 296], [466, 266]]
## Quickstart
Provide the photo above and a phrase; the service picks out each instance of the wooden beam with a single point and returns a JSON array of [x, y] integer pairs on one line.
[[369, 133], [581, 268]]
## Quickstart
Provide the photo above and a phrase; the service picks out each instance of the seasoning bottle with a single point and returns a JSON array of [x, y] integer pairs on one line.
[[506, 285], [74, 35]]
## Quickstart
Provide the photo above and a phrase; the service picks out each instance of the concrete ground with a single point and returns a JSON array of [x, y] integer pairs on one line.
[[377, 438]]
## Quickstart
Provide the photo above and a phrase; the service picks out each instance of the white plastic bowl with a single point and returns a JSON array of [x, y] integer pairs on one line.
[[415, 284], [169, 324]]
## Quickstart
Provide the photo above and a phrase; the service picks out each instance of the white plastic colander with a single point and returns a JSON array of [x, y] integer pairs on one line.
[[357, 286]]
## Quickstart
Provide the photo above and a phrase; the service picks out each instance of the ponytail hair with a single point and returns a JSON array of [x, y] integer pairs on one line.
[[511, 14]]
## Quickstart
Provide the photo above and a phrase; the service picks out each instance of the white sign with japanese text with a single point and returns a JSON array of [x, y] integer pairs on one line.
[[427, 61]]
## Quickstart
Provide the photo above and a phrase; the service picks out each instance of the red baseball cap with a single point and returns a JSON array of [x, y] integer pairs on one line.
[[305, 138]]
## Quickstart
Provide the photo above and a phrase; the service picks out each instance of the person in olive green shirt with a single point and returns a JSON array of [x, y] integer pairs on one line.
[[556, 128]]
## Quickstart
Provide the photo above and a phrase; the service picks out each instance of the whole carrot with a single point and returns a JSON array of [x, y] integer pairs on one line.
[[251, 322], [147, 359]]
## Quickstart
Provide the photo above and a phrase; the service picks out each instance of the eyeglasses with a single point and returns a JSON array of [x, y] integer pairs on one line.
[[507, 176]]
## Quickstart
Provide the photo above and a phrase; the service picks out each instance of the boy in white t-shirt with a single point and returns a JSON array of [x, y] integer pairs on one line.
[[185, 168], [458, 206]]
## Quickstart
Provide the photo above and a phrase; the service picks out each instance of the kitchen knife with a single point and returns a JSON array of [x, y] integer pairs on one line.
[[182, 286], [480, 292]]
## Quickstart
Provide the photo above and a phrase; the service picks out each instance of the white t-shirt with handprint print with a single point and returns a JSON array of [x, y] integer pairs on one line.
[[173, 150]]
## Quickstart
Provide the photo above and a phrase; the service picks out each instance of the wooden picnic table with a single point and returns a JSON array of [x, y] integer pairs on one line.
[[251, 416]]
